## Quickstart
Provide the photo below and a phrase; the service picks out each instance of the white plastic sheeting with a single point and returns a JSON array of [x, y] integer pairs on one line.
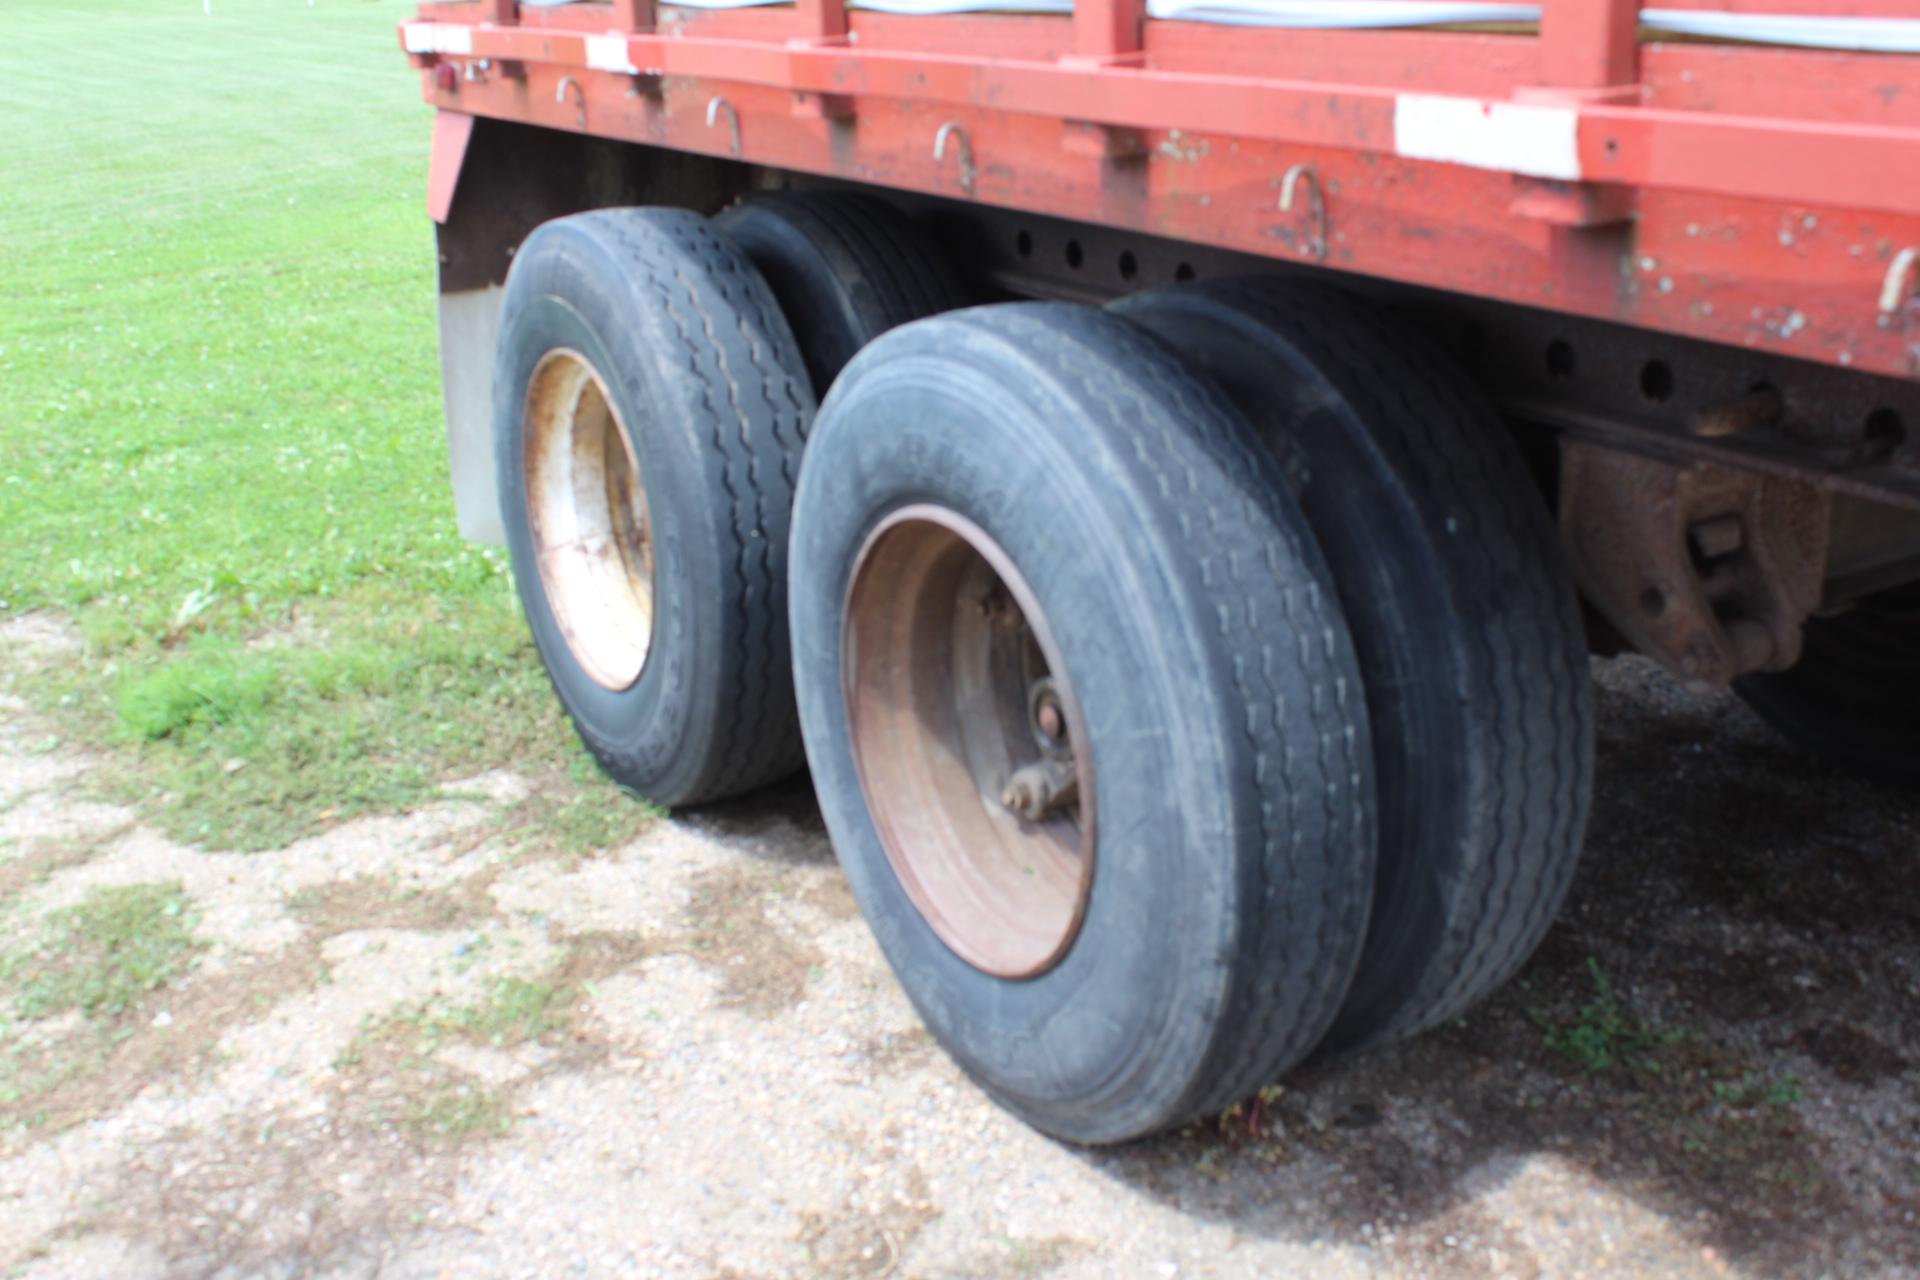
[[928, 7], [1339, 13], [1866, 35]]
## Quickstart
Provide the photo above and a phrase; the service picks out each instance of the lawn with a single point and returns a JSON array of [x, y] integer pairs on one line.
[[221, 453]]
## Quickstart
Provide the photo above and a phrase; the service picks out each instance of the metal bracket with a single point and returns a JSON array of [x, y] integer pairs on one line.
[[952, 129], [1317, 246], [733, 121], [560, 95], [1709, 570], [1902, 285]]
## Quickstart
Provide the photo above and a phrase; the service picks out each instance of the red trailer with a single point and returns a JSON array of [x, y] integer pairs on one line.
[[1168, 461]]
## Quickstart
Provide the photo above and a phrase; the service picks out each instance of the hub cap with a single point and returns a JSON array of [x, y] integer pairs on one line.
[[587, 513], [970, 746]]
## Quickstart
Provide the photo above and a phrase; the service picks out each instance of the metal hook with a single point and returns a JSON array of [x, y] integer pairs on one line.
[[1316, 247], [1902, 284], [560, 95], [733, 120], [952, 129]]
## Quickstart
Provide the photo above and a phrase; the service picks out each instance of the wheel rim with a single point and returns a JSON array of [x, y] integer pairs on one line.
[[971, 748], [587, 514]]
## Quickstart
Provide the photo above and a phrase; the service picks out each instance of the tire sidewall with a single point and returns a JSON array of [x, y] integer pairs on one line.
[[824, 293], [1412, 616], [1144, 972], [562, 295]]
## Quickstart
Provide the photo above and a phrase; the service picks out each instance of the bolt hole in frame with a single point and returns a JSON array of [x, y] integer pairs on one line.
[[1656, 381], [1561, 360], [1885, 427]]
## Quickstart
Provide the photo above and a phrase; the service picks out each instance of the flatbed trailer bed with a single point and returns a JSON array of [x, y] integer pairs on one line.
[[1658, 265]]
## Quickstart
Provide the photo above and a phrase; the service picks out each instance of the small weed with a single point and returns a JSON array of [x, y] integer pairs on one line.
[[1754, 1089], [1604, 1034]]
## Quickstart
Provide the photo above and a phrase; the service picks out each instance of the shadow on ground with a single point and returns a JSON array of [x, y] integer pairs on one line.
[[1721, 1024]]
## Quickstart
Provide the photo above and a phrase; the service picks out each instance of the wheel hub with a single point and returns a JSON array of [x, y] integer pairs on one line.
[[964, 728], [588, 518]]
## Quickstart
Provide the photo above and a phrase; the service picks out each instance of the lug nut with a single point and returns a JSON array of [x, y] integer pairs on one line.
[[1051, 722]]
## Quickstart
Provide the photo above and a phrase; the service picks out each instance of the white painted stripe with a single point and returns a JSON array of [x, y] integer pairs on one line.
[[437, 37], [609, 53], [1514, 137]]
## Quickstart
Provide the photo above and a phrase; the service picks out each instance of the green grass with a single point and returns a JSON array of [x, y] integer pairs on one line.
[[396, 1064], [101, 956], [221, 452], [513, 1011]]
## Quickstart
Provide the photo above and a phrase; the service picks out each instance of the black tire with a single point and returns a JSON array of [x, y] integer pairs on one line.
[[1227, 726], [1466, 624], [702, 370], [1854, 696], [846, 268]]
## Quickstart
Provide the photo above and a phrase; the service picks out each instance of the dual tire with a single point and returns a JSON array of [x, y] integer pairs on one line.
[[651, 403], [1339, 725], [1187, 688], [1228, 831]]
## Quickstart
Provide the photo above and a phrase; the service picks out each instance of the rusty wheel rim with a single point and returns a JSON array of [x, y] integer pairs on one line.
[[970, 746], [587, 514]]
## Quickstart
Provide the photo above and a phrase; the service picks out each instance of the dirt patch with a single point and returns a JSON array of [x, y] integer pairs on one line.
[[383, 902], [869, 1234], [1850, 1054], [267, 1195], [732, 924], [600, 954], [41, 856], [85, 1070], [1704, 1072], [895, 1053], [446, 1073]]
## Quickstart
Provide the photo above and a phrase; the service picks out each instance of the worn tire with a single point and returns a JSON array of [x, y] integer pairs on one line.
[[702, 369], [1854, 696], [1227, 725], [1465, 622], [845, 267]]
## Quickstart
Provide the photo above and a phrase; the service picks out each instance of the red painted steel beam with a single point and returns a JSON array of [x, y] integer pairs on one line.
[[823, 20], [1107, 30], [1750, 227], [1589, 44], [1834, 162], [1799, 278], [633, 15]]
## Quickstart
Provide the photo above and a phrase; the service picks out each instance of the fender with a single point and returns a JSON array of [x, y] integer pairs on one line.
[[452, 131]]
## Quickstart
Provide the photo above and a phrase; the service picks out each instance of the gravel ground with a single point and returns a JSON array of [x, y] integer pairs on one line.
[[1707, 1070]]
